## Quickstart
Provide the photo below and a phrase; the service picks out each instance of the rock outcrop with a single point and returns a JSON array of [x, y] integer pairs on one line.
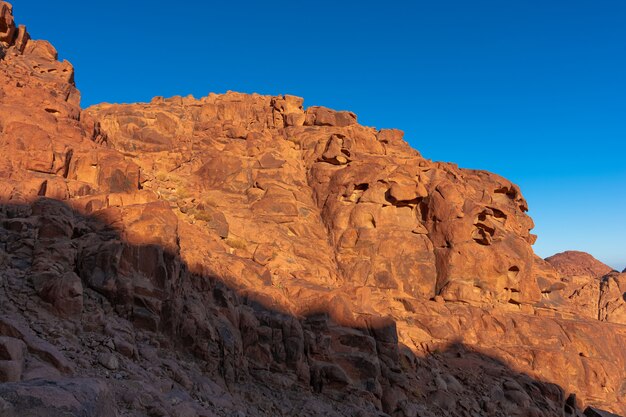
[[592, 288], [575, 263], [242, 255], [612, 302]]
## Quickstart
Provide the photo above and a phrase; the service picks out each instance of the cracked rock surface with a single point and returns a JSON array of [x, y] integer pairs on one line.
[[242, 255]]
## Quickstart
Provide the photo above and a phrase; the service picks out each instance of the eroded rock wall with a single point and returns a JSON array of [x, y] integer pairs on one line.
[[242, 255]]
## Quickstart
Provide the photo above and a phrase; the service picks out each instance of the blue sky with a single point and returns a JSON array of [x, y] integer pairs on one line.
[[532, 90]]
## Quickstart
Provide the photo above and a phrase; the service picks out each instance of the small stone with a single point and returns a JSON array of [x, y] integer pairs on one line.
[[124, 348], [109, 343], [109, 361], [440, 383], [10, 371], [11, 348]]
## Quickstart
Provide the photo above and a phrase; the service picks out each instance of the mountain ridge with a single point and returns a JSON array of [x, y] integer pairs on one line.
[[242, 243]]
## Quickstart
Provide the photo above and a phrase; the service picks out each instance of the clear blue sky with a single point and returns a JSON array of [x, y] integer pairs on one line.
[[532, 90]]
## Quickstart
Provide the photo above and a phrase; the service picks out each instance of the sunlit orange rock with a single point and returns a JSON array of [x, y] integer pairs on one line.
[[575, 263], [244, 255]]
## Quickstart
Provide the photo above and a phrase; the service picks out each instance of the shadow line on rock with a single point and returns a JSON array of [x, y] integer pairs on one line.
[[72, 261]]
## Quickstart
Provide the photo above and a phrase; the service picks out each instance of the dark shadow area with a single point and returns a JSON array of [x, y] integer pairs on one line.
[[70, 279]]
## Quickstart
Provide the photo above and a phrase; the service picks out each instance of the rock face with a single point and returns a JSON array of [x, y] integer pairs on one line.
[[242, 255], [574, 263], [592, 288], [612, 302]]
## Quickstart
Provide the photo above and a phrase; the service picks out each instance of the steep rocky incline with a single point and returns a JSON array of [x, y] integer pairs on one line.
[[242, 255]]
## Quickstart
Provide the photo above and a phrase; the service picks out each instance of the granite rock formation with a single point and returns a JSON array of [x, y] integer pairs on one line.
[[575, 263], [592, 288], [242, 255]]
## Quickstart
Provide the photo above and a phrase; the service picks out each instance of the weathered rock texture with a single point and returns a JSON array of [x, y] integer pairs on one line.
[[591, 288], [241, 255], [574, 263]]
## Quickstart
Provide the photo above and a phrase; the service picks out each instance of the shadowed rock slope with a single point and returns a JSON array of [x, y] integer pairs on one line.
[[240, 255]]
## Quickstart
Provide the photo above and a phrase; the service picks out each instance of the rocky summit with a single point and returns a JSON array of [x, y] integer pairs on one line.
[[575, 263], [242, 255]]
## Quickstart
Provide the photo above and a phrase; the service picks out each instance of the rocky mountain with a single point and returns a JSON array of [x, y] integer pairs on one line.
[[241, 255], [575, 263]]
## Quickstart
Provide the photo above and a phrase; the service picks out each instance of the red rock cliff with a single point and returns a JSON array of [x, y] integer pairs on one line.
[[242, 255]]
